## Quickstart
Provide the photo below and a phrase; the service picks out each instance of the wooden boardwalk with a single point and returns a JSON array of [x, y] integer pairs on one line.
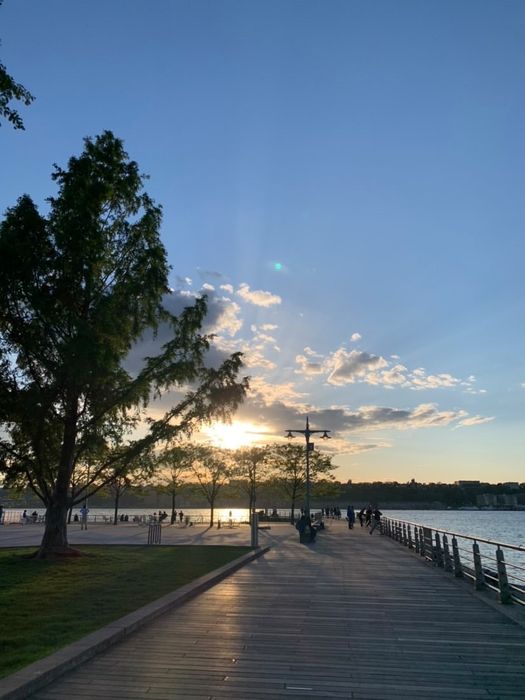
[[352, 616]]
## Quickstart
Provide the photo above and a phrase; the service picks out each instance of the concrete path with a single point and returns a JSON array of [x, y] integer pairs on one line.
[[128, 533], [351, 616]]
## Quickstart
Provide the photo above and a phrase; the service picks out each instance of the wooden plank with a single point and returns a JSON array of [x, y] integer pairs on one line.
[[351, 616]]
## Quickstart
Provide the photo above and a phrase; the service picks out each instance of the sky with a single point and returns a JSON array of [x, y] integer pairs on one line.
[[345, 182]]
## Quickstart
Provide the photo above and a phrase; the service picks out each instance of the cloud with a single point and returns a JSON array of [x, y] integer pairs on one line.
[[311, 353], [270, 393], [355, 337], [183, 281], [204, 274], [253, 355], [207, 287], [227, 317], [308, 368], [226, 288], [258, 297], [475, 420], [346, 367]]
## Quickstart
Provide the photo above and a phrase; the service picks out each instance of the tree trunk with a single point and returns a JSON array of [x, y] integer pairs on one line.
[[69, 514], [115, 515], [173, 511], [211, 513], [54, 541]]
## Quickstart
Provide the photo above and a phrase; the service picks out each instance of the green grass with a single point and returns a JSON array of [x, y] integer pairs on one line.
[[48, 604]]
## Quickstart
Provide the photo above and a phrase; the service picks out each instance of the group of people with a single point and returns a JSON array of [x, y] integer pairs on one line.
[[33, 518], [368, 517], [331, 512]]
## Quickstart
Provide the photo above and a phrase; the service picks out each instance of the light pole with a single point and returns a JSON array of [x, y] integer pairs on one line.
[[309, 448]]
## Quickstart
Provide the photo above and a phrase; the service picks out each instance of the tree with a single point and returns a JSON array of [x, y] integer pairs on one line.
[[212, 470], [133, 474], [289, 463], [249, 461], [175, 464], [10, 91], [78, 290]]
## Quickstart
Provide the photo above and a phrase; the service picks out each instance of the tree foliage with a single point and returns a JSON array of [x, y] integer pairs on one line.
[[251, 466], [78, 289], [175, 465], [289, 464], [11, 91], [211, 467]]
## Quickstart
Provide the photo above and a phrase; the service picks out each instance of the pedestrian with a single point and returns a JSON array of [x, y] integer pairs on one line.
[[181, 515], [361, 516], [24, 517], [376, 515], [84, 517], [368, 515], [1, 513], [350, 516]]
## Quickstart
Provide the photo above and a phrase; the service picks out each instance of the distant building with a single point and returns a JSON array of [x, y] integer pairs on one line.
[[493, 500], [466, 482], [486, 499]]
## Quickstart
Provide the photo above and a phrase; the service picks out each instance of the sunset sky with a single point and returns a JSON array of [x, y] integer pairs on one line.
[[344, 179]]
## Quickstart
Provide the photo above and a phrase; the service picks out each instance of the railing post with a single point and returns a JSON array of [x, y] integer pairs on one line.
[[458, 571], [478, 568], [410, 543], [422, 547], [438, 552], [405, 538], [416, 537], [446, 554], [503, 582]]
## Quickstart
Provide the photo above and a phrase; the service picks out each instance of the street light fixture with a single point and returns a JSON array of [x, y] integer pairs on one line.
[[309, 448]]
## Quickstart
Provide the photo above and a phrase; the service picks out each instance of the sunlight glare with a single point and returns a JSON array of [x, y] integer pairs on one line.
[[232, 436]]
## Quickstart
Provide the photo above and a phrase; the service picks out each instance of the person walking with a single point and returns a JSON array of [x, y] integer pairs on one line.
[[350, 516], [368, 516], [376, 516], [84, 517], [361, 516]]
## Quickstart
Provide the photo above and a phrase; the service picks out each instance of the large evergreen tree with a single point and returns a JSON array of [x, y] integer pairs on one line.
[[78, 289]]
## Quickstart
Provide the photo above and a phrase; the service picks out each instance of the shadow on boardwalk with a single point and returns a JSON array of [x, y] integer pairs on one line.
[[351, 616]]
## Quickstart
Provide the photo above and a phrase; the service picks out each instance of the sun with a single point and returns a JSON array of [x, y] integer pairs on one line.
[[232, 436]]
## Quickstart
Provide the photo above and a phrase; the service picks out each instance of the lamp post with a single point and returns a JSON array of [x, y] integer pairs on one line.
[[309, 448]]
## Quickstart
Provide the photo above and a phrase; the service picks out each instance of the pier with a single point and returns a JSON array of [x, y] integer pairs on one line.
[[350, 616]]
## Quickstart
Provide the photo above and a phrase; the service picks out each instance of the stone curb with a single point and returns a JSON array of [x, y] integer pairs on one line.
[[21, 684]]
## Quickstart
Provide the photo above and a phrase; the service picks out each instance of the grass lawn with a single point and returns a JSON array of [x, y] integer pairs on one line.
[[48, 604]]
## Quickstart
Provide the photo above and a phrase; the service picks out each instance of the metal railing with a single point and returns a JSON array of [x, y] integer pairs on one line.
[[154, 533], [488, 564]]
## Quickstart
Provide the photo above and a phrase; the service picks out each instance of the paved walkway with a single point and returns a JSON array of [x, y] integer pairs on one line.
[[352, 616], [128, 533]]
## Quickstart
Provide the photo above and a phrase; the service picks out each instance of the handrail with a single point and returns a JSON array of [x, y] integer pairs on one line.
[[459, 534], [433, 544]]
